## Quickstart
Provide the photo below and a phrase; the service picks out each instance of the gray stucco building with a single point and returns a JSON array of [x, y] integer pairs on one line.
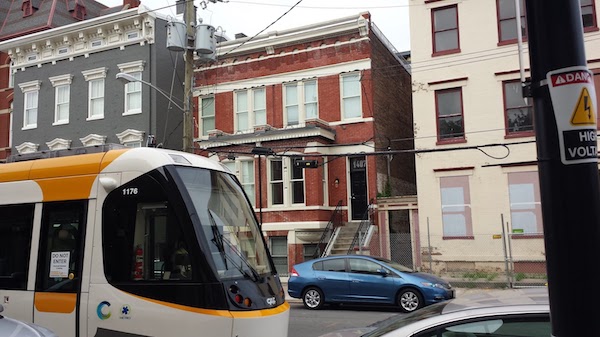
[[66, 93]]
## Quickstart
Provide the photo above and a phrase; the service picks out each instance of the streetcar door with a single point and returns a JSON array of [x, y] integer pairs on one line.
[[58, 281]]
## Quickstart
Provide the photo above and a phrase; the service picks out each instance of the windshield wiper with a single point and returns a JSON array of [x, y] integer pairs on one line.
[[219, 239]]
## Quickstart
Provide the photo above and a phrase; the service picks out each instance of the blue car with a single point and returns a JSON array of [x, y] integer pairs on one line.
[[365, 279]]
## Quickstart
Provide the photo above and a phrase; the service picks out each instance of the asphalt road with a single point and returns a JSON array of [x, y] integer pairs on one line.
[[314, 323]]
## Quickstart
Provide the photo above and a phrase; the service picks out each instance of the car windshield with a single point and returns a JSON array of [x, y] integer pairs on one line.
[[399, 321], [395, 265], [228, 223]]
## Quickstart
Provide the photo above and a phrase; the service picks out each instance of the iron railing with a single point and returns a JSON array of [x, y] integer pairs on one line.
[[334, 221], [361, 231]]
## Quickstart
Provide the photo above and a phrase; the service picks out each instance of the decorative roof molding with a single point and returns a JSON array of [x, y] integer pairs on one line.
[[354, 23], [114, 29]]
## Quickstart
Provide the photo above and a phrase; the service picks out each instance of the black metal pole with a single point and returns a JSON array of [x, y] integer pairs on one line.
[[566, 131], [260, 189]]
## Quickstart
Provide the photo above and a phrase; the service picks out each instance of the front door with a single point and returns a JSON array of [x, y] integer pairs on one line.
[[58, 281], [358, 187]]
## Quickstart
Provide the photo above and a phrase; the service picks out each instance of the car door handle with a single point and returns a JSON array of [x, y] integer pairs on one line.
[[355, 281]]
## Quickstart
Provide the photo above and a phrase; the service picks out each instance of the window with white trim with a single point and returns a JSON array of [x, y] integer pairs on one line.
[[133, 89], [250, 109], [207, 114], [456, 206], [279, 253], [95, 79], [286, 182], [62, 93], [133, 95], [30, 103], [351, 101], [244, 170], [525, 202], [300, 100]]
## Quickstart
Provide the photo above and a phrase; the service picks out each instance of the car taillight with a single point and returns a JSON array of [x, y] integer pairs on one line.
[[294, 272]]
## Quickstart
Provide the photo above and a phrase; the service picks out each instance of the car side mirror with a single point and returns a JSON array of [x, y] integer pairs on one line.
[[383, 272]]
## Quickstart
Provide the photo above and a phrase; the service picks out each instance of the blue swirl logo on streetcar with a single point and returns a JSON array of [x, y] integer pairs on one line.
[[103, 314]]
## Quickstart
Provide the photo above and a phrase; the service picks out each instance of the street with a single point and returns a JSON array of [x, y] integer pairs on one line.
[[313, 323]]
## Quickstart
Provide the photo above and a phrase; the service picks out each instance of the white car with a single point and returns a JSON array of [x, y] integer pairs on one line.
[[13, 328], [520, 312]]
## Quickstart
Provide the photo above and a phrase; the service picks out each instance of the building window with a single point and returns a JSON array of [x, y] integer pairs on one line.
[[300, 102], [507, 23], [244, 170], [588, 15], [279, 253], [133, 95], [31, 109], [62, 92], [286, 182], [449, 109], [207, 113], [96, 99], [351, 101], [525, 202], [95, 78], [250, 109], [246, 178], [518, 112], [507, 20], [30, 103], [445, 30], [309, 250], [456, 206], [131, 138]]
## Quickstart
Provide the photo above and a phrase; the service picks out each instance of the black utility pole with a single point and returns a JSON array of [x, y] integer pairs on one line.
[[565, 125]]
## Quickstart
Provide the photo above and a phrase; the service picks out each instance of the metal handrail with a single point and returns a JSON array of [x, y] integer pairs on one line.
[[334, 221], [364, 224]]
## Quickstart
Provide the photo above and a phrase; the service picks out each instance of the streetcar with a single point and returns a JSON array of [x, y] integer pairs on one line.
[[103, 241]]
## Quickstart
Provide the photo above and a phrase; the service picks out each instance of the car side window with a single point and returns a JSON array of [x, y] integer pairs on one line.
[[338, 265], [361, 266], [513, 326]]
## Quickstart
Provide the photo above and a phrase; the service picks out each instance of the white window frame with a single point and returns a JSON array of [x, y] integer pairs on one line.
[[277, 256], [456, 212], [525, 202], [344, 98], [254, 107], [30, 89], [134, 69], [248, 181], [301, 101], [206, 106], [92, 76], [131, 138], [61, 82], [287, 181]]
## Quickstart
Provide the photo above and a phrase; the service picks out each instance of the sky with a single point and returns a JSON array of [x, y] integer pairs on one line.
[[252, 16]]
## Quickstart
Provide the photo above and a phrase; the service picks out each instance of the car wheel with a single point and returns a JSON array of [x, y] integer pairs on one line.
[[313, 298], [410, 300]]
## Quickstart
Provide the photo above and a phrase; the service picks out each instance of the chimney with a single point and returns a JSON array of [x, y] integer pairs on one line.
[[131, 4]]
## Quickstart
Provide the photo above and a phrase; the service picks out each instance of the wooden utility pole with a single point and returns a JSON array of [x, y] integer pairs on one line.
[[189, 16]]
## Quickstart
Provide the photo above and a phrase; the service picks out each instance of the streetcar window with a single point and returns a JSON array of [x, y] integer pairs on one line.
[[142, 238], [16, 223], [59, 267]]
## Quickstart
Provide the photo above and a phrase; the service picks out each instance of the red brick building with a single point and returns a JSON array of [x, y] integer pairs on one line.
[[308, 118]]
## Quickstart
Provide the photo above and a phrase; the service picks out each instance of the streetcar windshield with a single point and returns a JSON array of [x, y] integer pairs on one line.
[[228, 222]]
